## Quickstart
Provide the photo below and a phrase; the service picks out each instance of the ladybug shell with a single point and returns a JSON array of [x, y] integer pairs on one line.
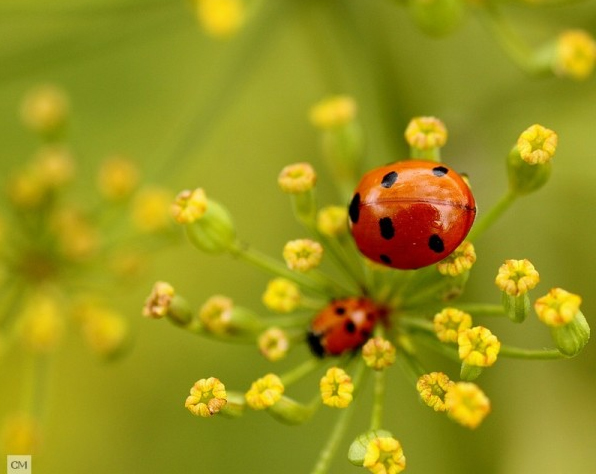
[[411, 214], [343, 325]]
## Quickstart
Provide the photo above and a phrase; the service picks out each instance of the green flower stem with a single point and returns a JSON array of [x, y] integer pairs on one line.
[[492, 215], [37, 385], [289, 320], [430, 341], [519, 52], [530, 354], [315, 281], [379, 400], [242, 59], [410, 366], [482, 309], [340, 427], [344, 259], [301, 371], [417, 324]]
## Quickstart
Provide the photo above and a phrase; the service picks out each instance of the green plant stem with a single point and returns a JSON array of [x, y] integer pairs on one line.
[[492, 215], [410, 366], [301, 371], [340, 427], [530, 354], [419, 324], [430, 341], [481, 309], [379, 400], [519, 52], [314, 280]]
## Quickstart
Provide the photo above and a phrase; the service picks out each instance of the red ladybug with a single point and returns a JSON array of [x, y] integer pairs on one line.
[[343, 325], [411, 214]]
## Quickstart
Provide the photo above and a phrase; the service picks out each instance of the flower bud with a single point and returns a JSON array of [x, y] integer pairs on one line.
[[515, 278], [214, 231], [528, 163], [571, 338]]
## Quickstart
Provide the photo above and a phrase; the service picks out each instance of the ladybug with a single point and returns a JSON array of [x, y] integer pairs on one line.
[[343, 325], [411, 214]]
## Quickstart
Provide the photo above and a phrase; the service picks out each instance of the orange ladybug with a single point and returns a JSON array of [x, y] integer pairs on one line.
[[343, 325], [411, 214]]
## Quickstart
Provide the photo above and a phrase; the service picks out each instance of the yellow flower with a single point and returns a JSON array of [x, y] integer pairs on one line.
[[55, 165], [303, 254], [189, 206], [467, 404], [220, 18], [575, 54], [384, 455], [425, 133], [558, 307], [517, 277], [432, 389], [207, 397], [378, 353], [118, 177], [151, 209], [478, 346], [537, 144], [264, 392], [332, 221], [21, 434], [216, 314], [336, 388], [105, 331], [297, 178], [45, 109], [274, 344], [157, 304], [282, 295], [460, 261], [43, 324], [333, 112], [449, 323]]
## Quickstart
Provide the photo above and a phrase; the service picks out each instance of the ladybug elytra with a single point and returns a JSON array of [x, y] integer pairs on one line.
[[343, 325], [411, 214]]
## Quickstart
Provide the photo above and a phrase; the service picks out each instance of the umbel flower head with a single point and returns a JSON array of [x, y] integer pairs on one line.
[[367, 320], [63, 260]]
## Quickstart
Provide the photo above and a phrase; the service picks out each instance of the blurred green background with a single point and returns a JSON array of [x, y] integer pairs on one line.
[[143, 79]]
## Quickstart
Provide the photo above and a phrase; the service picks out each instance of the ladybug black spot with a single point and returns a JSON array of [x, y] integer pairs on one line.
[[349, 326], [354, 209], [386, 227], [389, 179], [435, 243], [385, 259], [440, 171], [340, 310], [315, 344]]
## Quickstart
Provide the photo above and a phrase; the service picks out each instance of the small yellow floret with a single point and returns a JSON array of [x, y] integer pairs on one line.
[[265, 392], [378, 353], [157, 304], [425, 133], [575, 55], [537, 144], [384, 455], [432, 389], [282, 295], [297, 178], [274, 344], [207, 397], [336, 388], [449, 323], [558, 307], [460, 261], [303, 255], [189, 206], [467, 404], [517, 277], [333, 112], [478, 346]]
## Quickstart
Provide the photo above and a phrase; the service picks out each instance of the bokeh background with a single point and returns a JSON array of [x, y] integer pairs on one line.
[[145, 80]]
